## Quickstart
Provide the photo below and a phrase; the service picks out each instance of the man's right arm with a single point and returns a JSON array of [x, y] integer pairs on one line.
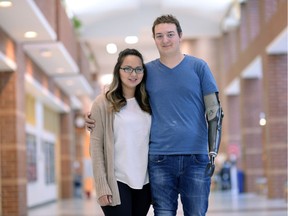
[[214, 115]]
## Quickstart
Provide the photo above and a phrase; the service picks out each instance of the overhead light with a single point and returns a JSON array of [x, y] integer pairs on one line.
[[69, 82], [79, 92], [262, 119], [131, 39], [46, 53], [60, 70], [5, 3], [111, 48], [106, 79], [30, 34]]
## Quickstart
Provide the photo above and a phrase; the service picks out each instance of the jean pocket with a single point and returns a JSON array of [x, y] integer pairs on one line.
[[201, 158], [157, 158]]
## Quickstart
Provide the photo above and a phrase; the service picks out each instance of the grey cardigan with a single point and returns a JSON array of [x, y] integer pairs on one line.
[[102, 150]]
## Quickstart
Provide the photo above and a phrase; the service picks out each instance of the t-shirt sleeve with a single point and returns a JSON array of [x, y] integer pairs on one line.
[[208, 81]]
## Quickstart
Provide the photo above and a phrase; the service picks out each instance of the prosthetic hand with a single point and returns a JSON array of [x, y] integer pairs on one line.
[[214, 116]]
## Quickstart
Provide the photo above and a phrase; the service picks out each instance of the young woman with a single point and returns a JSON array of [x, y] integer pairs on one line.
[[119, 141]]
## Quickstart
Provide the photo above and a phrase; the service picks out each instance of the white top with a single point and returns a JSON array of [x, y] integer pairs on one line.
[[131, 133]]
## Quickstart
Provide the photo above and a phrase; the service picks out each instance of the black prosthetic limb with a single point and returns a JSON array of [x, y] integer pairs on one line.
[[214, 135]]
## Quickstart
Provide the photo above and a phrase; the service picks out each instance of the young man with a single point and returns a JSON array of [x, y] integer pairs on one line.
[[182, 91]]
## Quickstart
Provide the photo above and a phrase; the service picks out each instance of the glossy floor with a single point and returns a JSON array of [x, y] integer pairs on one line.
[[221, 204]]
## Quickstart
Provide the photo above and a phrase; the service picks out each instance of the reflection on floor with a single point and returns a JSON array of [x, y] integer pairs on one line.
[[221, 204]]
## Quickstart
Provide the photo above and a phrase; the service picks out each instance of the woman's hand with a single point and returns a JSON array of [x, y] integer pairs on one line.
[[105, 200], [90, 123]]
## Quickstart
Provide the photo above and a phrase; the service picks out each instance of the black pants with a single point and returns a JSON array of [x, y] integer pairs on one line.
[[133, 202]]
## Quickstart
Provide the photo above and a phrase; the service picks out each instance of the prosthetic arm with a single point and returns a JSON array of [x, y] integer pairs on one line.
[[214, 116]]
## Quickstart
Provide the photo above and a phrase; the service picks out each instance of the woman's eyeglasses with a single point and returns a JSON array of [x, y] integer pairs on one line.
[[130, 70]]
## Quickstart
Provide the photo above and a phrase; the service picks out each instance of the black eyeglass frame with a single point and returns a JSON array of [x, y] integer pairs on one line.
[[130, 70]]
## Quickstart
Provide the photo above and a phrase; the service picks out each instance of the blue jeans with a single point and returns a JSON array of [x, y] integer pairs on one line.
[[171, 175]]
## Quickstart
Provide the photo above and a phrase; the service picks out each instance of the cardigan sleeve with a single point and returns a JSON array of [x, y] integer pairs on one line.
[[97, 148]]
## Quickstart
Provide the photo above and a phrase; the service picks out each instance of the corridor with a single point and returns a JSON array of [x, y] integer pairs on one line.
[[54, 61], [221, 204]]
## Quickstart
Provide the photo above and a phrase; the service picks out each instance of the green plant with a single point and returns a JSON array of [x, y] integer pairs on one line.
[[76, 22]]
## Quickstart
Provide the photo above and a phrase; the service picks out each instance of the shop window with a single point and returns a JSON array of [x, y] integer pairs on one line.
[[49, 154], [31, 158], [30, 109]]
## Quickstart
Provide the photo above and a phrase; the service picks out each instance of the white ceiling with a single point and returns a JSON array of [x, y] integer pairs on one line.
[[279, 44], [24, 16], [110, 21]]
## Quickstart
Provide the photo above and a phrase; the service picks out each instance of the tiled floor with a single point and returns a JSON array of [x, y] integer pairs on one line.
[[221, 204]]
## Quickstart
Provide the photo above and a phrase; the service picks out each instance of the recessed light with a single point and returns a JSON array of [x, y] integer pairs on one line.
[[5, 3], [131, 39], [46, 53], [30, 34], [79, 92], [106, 79], [69, 82], [111, 48], [60, 70]]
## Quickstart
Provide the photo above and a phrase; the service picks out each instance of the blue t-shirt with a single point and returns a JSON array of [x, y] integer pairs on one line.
[[178, 110]]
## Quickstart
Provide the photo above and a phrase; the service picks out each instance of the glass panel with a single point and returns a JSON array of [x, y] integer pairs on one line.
[[31, 158], [49, 153]]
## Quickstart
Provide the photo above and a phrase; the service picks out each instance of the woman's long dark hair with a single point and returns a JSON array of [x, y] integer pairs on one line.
[[115, 92]]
